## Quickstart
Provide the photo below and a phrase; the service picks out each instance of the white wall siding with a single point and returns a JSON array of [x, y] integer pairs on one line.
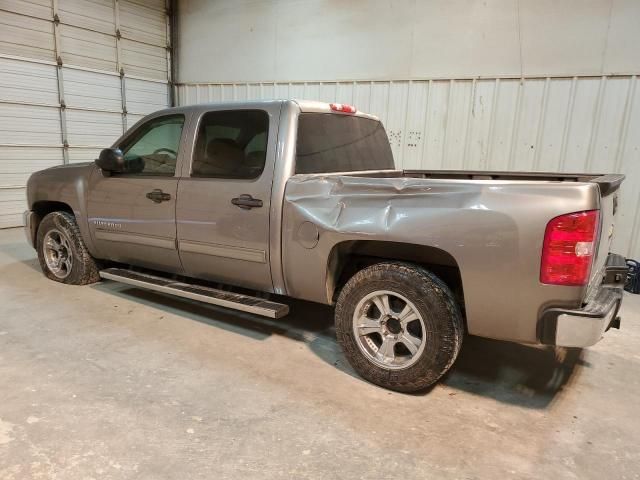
[[87, 48], [26, 36], [92, 15], [144, 96], [23, 82], [29, 125], [92, 128], [83, 154], [580, 124], [143, 22], [16, 164], [92, 90]]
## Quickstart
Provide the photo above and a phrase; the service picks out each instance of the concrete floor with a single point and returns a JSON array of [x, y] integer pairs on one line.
[[108, 381]]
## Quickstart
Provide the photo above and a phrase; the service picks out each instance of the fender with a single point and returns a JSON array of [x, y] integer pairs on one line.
[[56, 187]]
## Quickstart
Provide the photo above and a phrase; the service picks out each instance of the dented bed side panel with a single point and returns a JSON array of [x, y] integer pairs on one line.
[[493, 229]]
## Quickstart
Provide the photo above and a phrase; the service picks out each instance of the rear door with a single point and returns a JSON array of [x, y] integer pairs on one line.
[[132, 216], [225, 197]]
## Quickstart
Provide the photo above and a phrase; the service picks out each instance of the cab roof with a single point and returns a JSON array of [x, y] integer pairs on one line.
[[306, 106]]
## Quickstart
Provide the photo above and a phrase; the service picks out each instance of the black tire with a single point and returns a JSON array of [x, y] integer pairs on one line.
[[434, 302], [84, 268]]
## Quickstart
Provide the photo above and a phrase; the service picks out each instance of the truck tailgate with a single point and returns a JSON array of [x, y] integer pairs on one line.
[[608, 214]]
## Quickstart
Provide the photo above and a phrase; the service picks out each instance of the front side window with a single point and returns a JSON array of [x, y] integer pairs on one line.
[[153, 149], [231, 144]]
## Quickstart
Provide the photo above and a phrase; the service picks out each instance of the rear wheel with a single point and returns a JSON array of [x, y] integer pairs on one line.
[[399, 325], [62, 253]]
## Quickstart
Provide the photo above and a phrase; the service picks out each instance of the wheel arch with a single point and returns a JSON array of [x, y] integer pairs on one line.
[[41, 209], [348, 257]]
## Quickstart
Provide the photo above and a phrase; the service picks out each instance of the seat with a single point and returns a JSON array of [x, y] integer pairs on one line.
[[222, 157]]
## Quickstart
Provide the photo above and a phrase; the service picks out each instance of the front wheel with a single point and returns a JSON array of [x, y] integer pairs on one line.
[[399, 326], [62, 254]]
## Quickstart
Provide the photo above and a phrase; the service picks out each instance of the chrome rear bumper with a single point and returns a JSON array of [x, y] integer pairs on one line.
[[585, 326]]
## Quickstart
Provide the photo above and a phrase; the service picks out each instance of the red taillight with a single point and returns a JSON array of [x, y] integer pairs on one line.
[[342, 107], [569, 244]]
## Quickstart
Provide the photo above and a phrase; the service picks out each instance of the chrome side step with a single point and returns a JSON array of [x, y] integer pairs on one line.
[[213, 296]]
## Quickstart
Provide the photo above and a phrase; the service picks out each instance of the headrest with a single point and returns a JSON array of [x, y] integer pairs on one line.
[[224, 149]]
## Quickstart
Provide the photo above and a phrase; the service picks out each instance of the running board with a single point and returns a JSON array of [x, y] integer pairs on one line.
[[213, 296]]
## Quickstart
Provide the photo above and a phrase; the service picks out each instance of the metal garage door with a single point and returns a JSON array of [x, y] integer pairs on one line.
[[74, 74]]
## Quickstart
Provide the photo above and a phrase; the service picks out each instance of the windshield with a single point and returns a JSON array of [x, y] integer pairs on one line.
[[330, 142]]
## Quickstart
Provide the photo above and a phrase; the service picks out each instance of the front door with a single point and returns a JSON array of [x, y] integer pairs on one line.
[[225, 197], [132, 215]]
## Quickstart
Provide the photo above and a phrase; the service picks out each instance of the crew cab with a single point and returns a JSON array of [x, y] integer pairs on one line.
[[228, 203]]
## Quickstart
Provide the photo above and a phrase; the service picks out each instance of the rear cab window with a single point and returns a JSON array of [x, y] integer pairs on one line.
[[329, 142]]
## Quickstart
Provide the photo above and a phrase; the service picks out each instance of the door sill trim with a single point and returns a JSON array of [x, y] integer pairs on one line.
[[136, 239], [224, 251]]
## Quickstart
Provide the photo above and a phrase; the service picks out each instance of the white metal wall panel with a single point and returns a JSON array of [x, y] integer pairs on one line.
[[25, 36], [29, 125], [83, 154], [482, 105], [22, 126], [144, 60], [87, 48], [93, 90], [144, 45], [434, 136], [12, 205], [457, 123], [395, 118], [144, 22], [32, 8], [580, 124], [554, 126], [17, 163], [91, 128], [27, 82], [415, 123], [144, 96], [133, 119], [95, 15]]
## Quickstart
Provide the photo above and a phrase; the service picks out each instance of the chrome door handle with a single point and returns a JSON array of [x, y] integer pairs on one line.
[[246, 202], [158, 196]]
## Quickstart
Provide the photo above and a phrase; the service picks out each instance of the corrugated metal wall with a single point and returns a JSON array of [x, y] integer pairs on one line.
[[74, 74], [579, 124]]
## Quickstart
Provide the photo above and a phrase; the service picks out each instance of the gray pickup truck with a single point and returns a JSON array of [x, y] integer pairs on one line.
[[227, 203]]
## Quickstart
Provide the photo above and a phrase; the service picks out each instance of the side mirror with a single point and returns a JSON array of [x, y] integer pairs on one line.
[[111, 160]]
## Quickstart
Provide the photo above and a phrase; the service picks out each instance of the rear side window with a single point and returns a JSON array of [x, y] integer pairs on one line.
[[231, 144], [330, 142]]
